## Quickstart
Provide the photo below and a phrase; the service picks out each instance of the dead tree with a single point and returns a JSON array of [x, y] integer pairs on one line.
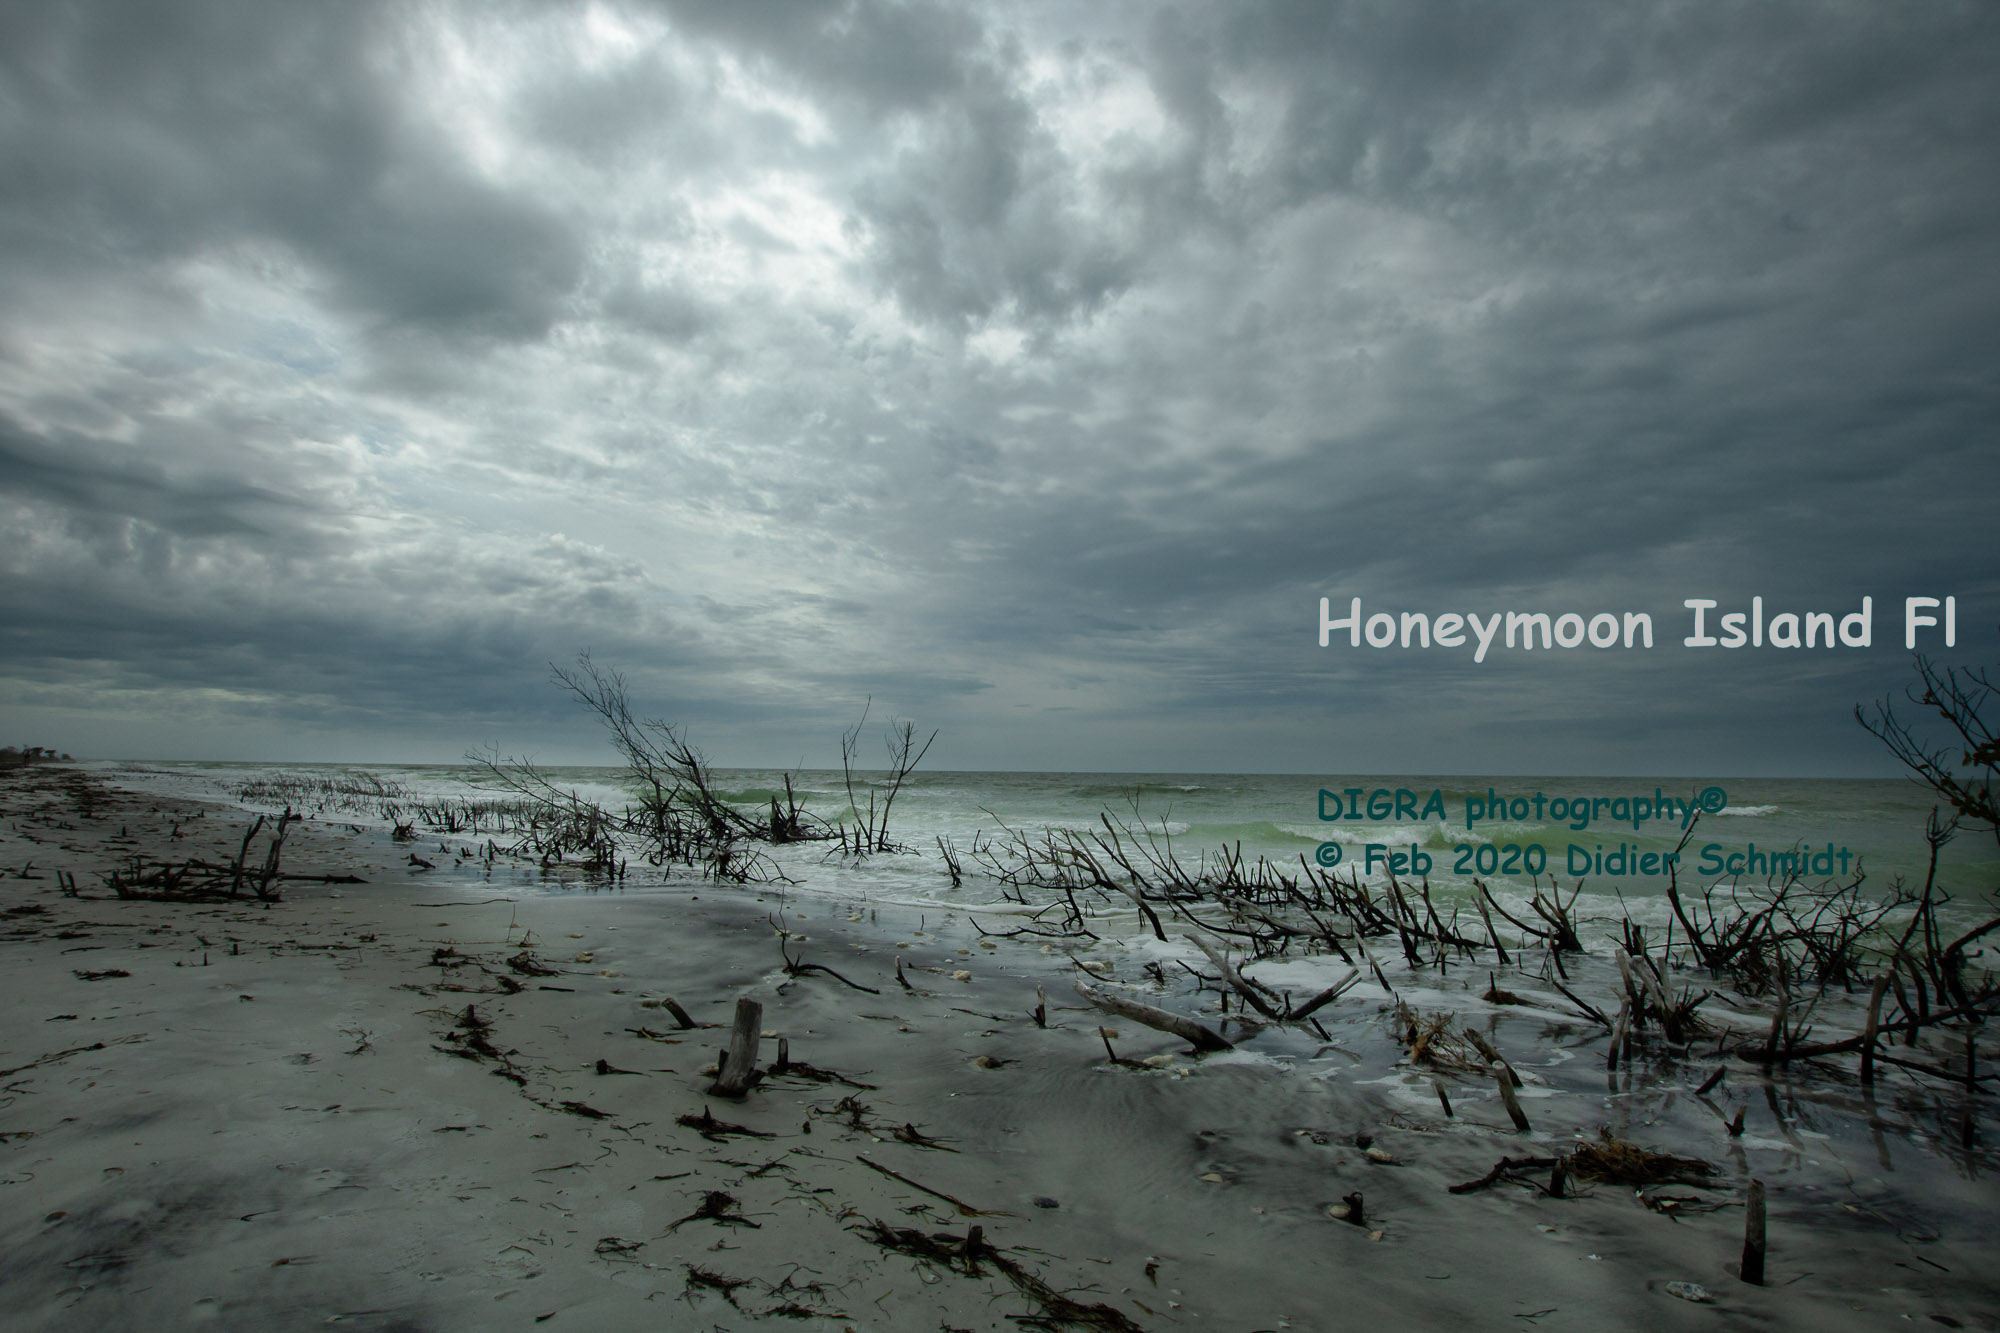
[[872, 833], [1961, 699]]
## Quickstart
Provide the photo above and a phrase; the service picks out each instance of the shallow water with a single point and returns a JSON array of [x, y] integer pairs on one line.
[[1457, 826]]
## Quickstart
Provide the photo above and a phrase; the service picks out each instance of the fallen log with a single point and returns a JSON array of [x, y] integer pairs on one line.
[[1235, 979], [1189, 1031]]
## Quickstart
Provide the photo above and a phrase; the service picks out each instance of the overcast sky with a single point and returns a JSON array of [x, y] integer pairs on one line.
[[1033, 369]]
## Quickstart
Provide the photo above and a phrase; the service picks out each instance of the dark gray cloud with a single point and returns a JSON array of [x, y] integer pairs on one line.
[[169, 132], [1033, 369]]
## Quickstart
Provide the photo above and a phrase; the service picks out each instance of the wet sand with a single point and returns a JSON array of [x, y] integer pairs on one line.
[[283, 1115]]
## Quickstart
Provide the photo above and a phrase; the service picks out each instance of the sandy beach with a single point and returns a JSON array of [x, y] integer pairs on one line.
[[427, 1101]]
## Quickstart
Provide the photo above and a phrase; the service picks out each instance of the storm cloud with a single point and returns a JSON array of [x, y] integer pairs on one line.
[[1032, 369]]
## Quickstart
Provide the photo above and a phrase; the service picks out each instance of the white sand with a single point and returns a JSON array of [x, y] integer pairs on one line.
[[257, 1128]]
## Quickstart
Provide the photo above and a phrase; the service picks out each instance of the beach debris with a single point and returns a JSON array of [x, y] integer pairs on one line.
[[1501, 1169], [738, 1069], [606, 1067], [699, 1278], [1503, 1077], [1616, 1161], [54, 1056], [1675, 1205], [1187, 1029], [855, 1112], [965, 1256], [470, 1038], [528, 965], [1874, 1022], [1752, 1270], [1491, 1054], [672, 1006], [720, 1207], [964, 1209], [1255, 993], [794, 967], [719, 1131], [105, 975], [704, 1279], [1436, 1042], [916, 1138], [1105, 1035], [1609, 1160], [202, 881], [786, 1067], [1690, 1291], [474, 1041]]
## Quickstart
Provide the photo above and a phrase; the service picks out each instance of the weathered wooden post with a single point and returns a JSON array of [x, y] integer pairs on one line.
[[1753, 1236], [739, 1064]]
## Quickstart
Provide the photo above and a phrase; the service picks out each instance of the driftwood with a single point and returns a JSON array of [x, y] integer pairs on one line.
[[1503, 1076], [738, 1069], [1189, 1031], [1753, 1236], [1261, 997], [1761, 1052], [964, 1209], [1500, 1169], [202, 881], [1254, 994], [797, 968], [680, 1016], [1492, 1056]]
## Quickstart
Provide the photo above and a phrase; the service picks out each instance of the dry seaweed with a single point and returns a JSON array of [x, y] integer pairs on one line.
[[963, 1254], [720, 1207], [718, 1131], [1616, 1161]]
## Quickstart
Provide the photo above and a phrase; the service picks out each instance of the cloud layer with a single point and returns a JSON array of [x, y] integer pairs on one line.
[[1032, 369]]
